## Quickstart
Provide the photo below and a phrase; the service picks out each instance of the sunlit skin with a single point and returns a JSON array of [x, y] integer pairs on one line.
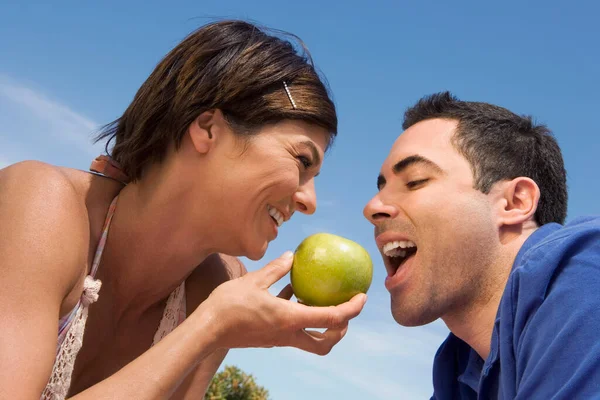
[[466, 240], [215, 179], [274, 168], [182, 221]]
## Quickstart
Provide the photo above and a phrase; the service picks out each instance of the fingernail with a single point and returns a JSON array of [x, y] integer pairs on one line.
[[288, 254]]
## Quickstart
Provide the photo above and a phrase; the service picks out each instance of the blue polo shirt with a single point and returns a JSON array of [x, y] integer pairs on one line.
[[546, 337]]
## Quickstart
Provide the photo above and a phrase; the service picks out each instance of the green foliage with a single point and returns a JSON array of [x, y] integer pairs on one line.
[[233, 384]]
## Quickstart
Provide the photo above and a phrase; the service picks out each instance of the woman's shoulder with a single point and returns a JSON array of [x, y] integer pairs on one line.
[[56, 183], [35, 183], [44, 222], [47, 188], [32, 171], [218, 268], [213, 271]]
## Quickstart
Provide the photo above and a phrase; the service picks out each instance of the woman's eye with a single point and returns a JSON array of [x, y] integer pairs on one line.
[[414, 184], [305, 161]]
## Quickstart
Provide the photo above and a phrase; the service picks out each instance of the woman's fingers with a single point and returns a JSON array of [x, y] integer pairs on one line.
[[327, 317], [274, 271], [252, 317], [317, 342]]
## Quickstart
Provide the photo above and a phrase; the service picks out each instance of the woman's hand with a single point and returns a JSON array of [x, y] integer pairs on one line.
[[245, 314]]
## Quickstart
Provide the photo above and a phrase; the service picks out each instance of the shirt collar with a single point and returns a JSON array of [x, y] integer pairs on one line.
[[536, 237]]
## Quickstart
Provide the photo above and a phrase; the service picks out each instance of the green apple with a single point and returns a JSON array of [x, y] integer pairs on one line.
[[329, 270]]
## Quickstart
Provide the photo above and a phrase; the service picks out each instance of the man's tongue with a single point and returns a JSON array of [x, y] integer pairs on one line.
[[398, 261]]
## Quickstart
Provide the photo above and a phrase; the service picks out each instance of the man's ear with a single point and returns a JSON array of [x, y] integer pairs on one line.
[[204, 130], [518, 200]]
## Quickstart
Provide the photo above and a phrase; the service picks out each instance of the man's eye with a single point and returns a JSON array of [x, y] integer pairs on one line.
[[414, 184], [305, 161]]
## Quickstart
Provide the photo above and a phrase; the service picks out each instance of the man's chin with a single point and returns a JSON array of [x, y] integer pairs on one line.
[[412, 318]]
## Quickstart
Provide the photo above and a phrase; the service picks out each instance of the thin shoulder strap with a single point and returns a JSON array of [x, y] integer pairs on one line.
[[102, 242], [106, 166]]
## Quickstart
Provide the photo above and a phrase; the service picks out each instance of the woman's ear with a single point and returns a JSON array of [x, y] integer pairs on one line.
[[203, 130], [519, 200]]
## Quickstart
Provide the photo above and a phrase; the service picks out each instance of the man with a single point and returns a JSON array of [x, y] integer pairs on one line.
[[469, 220]]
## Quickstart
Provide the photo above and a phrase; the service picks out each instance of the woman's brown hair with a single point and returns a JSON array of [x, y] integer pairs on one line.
[[233, 66]]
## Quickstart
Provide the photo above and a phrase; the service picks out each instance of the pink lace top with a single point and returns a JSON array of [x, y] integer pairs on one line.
[[71, 326]]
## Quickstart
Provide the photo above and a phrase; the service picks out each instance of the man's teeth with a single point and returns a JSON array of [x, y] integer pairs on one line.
[[276, 215], [397, 248]]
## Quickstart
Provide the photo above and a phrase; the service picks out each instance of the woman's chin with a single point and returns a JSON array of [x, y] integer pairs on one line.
[[257, 253]]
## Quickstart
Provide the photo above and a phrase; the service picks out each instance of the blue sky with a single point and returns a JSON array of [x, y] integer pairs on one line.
[[67, 68]]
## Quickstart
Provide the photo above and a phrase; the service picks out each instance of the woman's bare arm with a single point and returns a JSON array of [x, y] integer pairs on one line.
[[43, 237], [238, 313], [40, 255], [215, 270]]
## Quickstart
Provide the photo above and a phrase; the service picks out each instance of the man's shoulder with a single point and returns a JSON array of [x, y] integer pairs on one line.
[[553, 244], [549, 312], [572, 232], [559, 261]]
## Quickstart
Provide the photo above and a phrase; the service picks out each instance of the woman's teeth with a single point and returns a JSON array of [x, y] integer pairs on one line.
[[397, 248], [277, 216]]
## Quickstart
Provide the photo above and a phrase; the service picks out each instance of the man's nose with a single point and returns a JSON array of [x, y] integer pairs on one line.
[[377, 210]]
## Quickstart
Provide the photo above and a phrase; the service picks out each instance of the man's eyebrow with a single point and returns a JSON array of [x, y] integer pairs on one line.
[[407, 162], [416, 159]]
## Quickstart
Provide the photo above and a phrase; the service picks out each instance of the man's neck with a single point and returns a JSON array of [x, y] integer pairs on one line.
[[475, 325], [473, 322]]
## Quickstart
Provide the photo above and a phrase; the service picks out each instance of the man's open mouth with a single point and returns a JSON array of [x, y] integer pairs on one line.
[[396, 253]]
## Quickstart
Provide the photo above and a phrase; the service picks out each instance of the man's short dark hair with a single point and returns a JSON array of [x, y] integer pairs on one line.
[[501, 145]]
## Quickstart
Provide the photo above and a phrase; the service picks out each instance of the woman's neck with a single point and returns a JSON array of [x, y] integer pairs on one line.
[[152, 245]]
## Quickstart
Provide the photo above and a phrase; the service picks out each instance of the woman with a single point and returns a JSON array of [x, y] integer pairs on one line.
[[219, 147]]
